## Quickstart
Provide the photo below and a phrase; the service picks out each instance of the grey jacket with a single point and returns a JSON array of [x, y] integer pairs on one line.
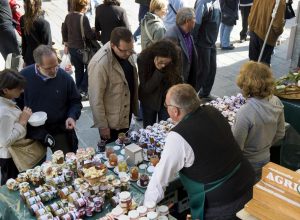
[[155, 27], [258, 125], [189, 67]]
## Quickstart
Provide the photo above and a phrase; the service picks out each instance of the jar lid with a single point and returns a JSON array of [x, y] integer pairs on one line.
[[133, 214], [162, 217], [117, 211], [124, 195], [142, 209], [163, 209], [150, 204], [123, 217], [152, 215]]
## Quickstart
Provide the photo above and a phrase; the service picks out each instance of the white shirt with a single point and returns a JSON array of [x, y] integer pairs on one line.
[[10, 129], [177, 154]]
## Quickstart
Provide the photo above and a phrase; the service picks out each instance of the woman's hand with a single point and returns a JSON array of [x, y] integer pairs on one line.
[[25, 115]]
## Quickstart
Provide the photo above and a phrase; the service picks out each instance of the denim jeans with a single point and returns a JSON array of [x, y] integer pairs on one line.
[[225, 32], [142, 11], [81, 75], [150, 115]]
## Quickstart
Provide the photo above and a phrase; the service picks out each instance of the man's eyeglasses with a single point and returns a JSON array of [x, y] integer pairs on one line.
[[131, 51], [47, 69], [166, 106]]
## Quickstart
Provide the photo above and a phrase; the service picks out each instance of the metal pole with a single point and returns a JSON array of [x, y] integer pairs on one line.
[[268, 32]]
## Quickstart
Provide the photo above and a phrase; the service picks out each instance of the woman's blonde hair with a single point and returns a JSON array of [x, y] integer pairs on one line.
[[255, 80], [157, 5], [80, 4]]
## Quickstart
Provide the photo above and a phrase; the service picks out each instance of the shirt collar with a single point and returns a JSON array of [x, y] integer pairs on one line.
[[7, 101], [185, 35]]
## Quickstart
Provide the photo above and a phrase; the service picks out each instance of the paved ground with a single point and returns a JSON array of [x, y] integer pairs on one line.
[[228, 62]]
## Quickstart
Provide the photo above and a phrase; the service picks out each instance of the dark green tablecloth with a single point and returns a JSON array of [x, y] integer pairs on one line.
[[292, 113]]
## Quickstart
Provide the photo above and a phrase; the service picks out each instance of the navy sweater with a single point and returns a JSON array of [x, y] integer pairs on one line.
[[58, 97]]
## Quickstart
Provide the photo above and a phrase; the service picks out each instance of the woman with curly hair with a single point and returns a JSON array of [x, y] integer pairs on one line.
[[260, 122], [34, 28], [158, 68], [108, 16]]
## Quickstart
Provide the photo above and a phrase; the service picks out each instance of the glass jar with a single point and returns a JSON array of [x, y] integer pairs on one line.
[[113, 159], [101, 146], [32, 200], [134, 173], [125, 200], [144, 180], [24, 187], [89, 209], [152, 215], [109, 150], [58, 157], [33, 208], [79, 203], [122, 165], [154, 160], [142, 210], [163, 210], [133, 215]]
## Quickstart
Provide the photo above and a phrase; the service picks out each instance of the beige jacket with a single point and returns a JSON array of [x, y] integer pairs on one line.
[[260, 17], [109, 93]]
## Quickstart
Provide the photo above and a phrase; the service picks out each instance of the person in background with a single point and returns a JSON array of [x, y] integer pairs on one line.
[[181, 34], [52, 90], [229, 9], [202, 149], [152, 25], [208, 18], [158, 68], [8, 39], [260, 122], [13, 123], [108, 16], [72, 37], [34, 28], [113, 85], [259, 21], [91, 10], [16, 14], [245, 7], [173, 7], [143, 9]]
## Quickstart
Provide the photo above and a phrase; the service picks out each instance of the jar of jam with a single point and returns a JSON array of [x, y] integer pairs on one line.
[[89, 209], [142, 210], [152, 215], [109, 150], [33, 208], [64, 192], [150, 206], [91, 152], [60, 212], [163, 210], [22, 177], [144, 180], [109, 192], [32, 200], [122, 165], [154, 160], [125, 200], [28, 194], [99, 202], [113, 159], [39, 190], [134, 173], [24, 187], [150, 152], [58, 157], [46, 217], [79, 203], [117, 211], [101, 146], [41, 211], [69, 216], [46, 196], [54, 207], [133, 215], [80, 213], [114, 201]]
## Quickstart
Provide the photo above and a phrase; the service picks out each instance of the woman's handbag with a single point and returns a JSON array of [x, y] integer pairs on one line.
[[26, 153], [289, 11], [90, 46]]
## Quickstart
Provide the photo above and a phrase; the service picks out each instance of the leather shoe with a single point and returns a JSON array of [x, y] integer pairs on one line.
[[228, 48]]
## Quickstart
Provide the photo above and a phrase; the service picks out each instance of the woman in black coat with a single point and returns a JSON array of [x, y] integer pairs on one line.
[[108, 16], [34, 28], [158, 67]]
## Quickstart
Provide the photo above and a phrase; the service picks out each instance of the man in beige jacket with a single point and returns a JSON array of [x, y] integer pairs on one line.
[[113, 85]]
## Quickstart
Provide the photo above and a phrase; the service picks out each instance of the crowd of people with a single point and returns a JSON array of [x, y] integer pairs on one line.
[[171, 77]]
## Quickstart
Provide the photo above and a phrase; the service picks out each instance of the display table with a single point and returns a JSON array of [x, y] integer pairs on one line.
[[244, 215], [292, 113]]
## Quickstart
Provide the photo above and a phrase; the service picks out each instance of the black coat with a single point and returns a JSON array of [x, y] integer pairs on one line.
[[229, 10], [107, 18]]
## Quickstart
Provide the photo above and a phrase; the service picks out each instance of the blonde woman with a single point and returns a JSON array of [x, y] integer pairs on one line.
[[152, 25], [260, 122]]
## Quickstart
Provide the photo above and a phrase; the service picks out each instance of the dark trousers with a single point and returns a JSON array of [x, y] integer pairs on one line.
[[255, 47], [8, 39], [66, 141], [245, 11], [8, 169], [150, 115], [142, 11], [81, 75], [208, 68]]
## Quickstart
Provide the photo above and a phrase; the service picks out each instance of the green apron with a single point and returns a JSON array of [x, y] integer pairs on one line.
[[196, 192]]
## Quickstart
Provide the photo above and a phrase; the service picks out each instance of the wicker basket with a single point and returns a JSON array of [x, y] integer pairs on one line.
[[289, 92]]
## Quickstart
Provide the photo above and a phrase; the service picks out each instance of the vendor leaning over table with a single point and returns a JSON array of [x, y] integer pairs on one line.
[[201, 147], [260, 122]]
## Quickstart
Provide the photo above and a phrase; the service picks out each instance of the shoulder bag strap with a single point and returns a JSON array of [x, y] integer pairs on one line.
[[82, 31], [173, 9], [147, 32]]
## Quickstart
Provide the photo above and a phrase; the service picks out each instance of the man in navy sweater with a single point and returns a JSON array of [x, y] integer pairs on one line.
[[52, 90]]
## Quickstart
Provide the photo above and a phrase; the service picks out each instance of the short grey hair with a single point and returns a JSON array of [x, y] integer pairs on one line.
[[42, 50], [185, 97], [184, 14]]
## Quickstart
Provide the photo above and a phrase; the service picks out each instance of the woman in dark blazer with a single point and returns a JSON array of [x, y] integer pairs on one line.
[[108, 16], [34, 28], [158, 68]]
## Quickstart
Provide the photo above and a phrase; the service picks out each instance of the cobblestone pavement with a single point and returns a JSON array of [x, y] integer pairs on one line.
[[228, 62]]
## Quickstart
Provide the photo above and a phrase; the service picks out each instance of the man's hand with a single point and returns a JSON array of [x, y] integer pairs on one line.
[[70, 123], [104, 133]]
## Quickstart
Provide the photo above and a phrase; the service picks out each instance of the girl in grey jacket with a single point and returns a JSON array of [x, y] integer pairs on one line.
[[260, 122]]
